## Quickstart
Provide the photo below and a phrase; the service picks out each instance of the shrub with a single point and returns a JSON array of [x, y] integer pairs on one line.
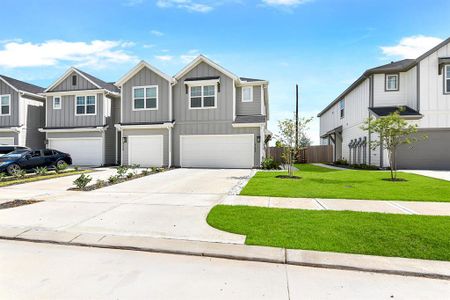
[[342, 162], [61, 167], [76, 168], [121, 171], [135, 166], [270, 164], [82, 181], [19, 174], [2, 176], [100, 183], [158, 170], [145, 172], [130, 175], [113, 179], [41, 171]]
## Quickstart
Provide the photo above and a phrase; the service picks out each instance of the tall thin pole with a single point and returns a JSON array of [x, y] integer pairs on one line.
[[296, 116]]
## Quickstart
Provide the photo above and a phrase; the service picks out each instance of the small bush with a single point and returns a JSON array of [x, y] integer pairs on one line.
[[61, 167], [341, 162], [135, 166], [113, 179], [2, 176], [270, 164], [82, 181], [145, 172], [121, 171], [76, 168], [100, 183], [19, 174], [130, 175], [41, 171], [364, 167], [158, 170]]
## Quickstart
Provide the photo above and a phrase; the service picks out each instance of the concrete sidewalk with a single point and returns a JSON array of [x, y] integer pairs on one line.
[[391, 207]]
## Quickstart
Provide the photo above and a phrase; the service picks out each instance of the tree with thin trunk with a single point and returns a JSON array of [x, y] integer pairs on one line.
[[287, 137], [392, 131]]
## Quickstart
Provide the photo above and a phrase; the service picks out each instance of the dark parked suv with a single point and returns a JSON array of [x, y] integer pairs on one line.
[[5, 149], [30, 159]]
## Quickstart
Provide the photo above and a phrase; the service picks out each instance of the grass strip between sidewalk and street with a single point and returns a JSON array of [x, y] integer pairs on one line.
[[393, 235], [320, 182]]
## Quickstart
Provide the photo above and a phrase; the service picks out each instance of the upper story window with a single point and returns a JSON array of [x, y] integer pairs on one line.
[[145, 97], [56, 102], [86, 105], [74, 79], [247, 94], [392, 82], [5, 105], [342, 108], [203, 96], [447, 79]]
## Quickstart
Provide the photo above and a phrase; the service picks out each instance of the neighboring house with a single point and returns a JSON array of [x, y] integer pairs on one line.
[[205, 116], [81, 111], [21, 113], [421, 86]]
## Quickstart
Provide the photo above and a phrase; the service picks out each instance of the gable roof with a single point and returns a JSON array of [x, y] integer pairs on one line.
[[142, 64], [22, 86], [199, 59], [393, 67], [100, 84]]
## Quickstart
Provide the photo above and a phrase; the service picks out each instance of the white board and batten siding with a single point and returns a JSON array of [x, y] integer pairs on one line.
[[217, 151], [84, 151], [146, 150]]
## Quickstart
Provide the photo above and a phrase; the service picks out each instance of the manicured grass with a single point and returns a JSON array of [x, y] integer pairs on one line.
[[412, 236], [34, 178], [319, 182]]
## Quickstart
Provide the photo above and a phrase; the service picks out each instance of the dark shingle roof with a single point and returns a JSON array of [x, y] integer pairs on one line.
[[250, 79], [104, 85], [398, 66], [250, 119], [386, 110], [23, 86]]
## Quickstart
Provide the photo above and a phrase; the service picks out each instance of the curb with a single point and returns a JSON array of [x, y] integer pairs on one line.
[[327, 260]]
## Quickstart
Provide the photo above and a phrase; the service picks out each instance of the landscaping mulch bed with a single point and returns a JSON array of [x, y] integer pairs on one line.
[[11, 180], [16, 203], [287, 177]]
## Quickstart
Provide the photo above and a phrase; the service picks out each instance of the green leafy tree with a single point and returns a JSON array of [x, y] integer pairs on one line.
[[392, 131], [287, 136]]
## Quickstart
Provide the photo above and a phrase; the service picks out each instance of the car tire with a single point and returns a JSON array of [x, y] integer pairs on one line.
[[12, 169], [59, 162]]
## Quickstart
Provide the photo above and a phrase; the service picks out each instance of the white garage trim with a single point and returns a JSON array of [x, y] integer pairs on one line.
[[6, 141], [251, 136], [79, 138], [159, 138]]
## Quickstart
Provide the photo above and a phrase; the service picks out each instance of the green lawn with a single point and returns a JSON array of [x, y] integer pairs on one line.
[[412, 236], [32, 178], [319, 182]]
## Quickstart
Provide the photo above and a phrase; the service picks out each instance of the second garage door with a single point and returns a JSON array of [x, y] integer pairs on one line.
[[217, 151], [84, 151], [6, 141], [146, 151]]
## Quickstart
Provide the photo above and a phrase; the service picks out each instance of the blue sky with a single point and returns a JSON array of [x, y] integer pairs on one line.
[[323, 45]]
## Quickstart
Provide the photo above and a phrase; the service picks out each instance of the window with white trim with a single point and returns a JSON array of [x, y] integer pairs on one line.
[[202, 96], [342, 108], [447, 79], [392, 82], [247, 94], [85, 105], [145, 97], [5, 105], [56, 102]]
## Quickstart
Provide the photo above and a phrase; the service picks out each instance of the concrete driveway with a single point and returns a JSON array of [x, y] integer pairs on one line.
[[172, 204]]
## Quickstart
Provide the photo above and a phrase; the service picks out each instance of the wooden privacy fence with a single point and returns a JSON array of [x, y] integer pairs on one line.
[[311, 154]]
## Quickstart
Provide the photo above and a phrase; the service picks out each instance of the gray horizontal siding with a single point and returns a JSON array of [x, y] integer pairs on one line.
[[145, 77], [66, 84], [163, 132], [205, 128], [248, 108], [65, 117], [13, 119], [224, 110]]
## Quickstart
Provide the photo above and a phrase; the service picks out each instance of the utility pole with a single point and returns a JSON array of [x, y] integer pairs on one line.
[[296, 117]]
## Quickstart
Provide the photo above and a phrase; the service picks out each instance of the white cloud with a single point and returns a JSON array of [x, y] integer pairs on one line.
[[148, 46], [284, 3], [411, 47], [156, 33], [164, 57], [189, 56], [188, 5], [94, 54]]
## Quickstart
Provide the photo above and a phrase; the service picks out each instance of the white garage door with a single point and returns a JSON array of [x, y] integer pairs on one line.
[[217, 151], [6, 141], [145, 150], [84, 151]]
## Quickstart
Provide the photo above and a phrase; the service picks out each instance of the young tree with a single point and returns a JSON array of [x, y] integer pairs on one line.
[[392, 131], [287, 136]]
